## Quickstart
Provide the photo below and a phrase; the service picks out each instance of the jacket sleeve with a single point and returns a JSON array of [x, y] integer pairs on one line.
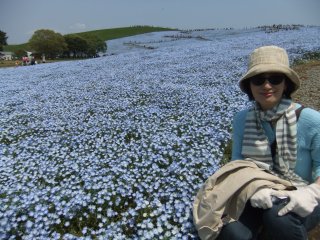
[[237, 134]]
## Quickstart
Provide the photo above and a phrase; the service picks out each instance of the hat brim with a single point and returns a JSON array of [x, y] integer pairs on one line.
[[263, 68]]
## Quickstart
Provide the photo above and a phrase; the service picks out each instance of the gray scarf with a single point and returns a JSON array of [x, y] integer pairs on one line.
[[257, 147]]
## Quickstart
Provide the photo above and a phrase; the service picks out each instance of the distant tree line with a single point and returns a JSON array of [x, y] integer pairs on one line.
[[51, 44], [280, 27]]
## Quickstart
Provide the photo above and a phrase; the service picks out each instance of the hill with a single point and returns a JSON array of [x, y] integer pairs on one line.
[[104, 34], [113, 33]]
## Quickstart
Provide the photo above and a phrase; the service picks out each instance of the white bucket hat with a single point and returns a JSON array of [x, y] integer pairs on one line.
[[270, 59]]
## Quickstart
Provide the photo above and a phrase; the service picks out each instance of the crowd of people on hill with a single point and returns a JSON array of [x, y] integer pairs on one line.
[[28, 61]]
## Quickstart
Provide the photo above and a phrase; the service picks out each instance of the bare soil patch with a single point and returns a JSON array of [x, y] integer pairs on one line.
[[309, 92]]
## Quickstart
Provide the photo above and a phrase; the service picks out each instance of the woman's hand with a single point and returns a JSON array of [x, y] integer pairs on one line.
[[302, 201], [262, 198]]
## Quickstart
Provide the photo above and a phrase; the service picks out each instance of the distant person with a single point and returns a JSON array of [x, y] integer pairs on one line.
[[33, 61], [25, 60], [277, 142]]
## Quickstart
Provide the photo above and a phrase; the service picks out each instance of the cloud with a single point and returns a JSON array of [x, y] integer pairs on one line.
[[78, 26]]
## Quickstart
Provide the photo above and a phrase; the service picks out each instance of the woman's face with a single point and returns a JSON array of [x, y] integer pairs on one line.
[[267, 89]]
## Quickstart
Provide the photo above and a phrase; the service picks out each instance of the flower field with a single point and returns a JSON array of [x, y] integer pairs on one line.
[[116, 147]]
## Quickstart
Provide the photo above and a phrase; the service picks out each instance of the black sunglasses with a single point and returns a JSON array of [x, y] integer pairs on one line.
[[274, 80]]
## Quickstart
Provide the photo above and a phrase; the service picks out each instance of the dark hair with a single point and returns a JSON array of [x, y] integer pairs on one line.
[[247, 89], [290, 88]]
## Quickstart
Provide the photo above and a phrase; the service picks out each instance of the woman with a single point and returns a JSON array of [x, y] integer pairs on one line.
[[273, 134]]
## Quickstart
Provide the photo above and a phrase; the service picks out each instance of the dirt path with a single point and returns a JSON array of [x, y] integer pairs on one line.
[[309, 95]]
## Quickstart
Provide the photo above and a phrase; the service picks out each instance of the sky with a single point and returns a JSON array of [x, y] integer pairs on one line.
[[19, 19]]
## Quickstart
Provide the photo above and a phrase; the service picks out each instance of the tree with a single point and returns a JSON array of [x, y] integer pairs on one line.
[[96, 45], [77, 45], [3, 39], [19, 53], [48, 42]]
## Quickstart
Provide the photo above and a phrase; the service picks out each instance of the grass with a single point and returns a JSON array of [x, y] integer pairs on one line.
[[7, 63], [16, 63], [114, 33], [15, 47]]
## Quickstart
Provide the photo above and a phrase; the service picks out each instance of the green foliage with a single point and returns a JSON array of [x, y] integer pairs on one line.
[[95, 44], [45, 41], [88, 44], [308, 56], [77, 45], [227, 153], [19, 53], [3, 39]]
